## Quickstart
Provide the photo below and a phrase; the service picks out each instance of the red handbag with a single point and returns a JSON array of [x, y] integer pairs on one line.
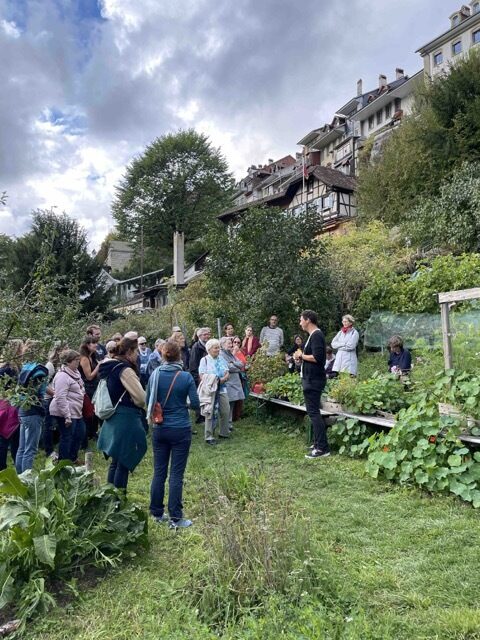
[[157, 413], [88, 410]]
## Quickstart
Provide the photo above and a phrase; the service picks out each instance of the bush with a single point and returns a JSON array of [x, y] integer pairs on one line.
[[265, 368]]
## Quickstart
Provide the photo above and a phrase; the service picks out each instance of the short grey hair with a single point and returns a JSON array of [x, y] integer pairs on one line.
[[203, 330], [159, 342], [213, 342], [224, 340]]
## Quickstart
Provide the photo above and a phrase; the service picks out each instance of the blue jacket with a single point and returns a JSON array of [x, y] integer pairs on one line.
[[175, 411]]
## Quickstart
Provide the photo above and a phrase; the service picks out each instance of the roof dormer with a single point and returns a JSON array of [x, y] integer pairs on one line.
[[475, 7], [462, 14]]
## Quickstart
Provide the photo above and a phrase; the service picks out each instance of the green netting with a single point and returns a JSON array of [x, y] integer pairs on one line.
[[418, 329]]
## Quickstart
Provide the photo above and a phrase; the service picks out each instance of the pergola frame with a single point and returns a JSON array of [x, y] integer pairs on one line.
[[446, 300]]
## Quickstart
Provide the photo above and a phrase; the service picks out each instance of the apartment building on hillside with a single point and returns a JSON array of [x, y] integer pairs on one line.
[[378, 111], [464, 33]]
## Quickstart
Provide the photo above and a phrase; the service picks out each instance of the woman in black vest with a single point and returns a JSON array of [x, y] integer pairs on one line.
[[122, 436]]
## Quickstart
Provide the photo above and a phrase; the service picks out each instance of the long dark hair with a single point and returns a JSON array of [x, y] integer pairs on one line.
[[123, 348], [84, 347]]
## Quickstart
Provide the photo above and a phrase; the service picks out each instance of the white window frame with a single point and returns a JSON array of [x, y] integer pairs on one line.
[[435, 63]]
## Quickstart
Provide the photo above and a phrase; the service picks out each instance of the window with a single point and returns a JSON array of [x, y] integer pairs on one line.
[[455, 20], [379, 116], [371, 122], [438, 58], [457, 47], [388, 111], [476, 36], [476, 7], [397, 104], [326, 201]]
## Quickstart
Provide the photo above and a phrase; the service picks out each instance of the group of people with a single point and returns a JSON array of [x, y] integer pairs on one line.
[[158, 387]]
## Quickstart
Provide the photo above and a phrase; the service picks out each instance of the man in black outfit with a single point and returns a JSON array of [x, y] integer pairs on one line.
[[314, 380], [196, 354]]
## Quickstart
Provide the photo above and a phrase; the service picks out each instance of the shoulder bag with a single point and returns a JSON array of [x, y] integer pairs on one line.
[[157, 414]]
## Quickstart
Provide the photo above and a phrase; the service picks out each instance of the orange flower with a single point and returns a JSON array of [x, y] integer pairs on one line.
[[432, 439], [386, 449]]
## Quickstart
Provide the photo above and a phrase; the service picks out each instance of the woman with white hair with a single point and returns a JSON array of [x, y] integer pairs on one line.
[[214, 364], [345, 342], [234, 383]]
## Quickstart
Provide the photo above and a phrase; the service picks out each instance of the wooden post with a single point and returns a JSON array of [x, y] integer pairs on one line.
[[447, 336]]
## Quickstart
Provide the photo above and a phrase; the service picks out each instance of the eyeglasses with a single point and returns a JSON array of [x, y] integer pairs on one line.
[[142, 343], [237, 342]]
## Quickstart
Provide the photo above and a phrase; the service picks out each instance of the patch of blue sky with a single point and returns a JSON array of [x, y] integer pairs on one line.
[[16, 11], [72, 122]]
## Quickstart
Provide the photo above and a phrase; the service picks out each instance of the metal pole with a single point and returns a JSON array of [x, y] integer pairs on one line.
[[219, 328], [447, 336], [141, 258]]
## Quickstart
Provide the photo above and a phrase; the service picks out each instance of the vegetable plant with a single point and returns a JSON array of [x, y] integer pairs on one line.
[[54, 524], [287, 387]]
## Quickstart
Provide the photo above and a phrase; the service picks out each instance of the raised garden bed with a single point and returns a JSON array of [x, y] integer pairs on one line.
[[379, 421]]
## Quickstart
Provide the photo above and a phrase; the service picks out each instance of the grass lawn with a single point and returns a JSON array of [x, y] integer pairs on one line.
[[284, 547]]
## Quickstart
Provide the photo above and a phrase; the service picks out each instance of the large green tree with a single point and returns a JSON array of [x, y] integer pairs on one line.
[[441, 134], [270, 261], [179, 183], [64, 243]]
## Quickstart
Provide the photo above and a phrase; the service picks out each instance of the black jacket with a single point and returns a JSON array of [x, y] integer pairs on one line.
[[315, 346], [196, 354]]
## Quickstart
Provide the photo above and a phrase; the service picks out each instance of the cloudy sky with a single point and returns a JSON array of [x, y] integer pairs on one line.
[[86, 84]]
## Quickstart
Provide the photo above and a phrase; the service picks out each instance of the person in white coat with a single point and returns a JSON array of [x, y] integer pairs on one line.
[[345, 342]]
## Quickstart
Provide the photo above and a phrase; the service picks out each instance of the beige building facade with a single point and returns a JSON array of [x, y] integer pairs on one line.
[[444, 50]]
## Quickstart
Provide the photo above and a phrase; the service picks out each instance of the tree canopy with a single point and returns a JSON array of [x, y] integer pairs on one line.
[[270, 261], [179, 183], [62, 243]]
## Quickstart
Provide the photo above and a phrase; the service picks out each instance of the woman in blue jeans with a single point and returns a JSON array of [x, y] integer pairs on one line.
[[171, 439]]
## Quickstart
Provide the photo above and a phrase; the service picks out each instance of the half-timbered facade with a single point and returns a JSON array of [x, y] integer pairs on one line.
[[329, 190]]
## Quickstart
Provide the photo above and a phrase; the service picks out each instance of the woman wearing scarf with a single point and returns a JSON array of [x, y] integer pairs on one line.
[[170, 386], [235, 392], [250, 344], [66, 406], [213, 364], [345, 342]]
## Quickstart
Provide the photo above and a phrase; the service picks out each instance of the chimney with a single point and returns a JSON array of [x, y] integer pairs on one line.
[[178, 258], [270, 161], [382, 81], [399, 73], [359, 87]]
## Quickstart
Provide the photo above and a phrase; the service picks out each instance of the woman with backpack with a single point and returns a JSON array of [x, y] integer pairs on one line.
[[66, 406], [122, 436], [170, 386]]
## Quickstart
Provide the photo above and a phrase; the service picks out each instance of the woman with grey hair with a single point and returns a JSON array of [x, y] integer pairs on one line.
[[234, 383], [213, 364], [345, 342], [155, 358]]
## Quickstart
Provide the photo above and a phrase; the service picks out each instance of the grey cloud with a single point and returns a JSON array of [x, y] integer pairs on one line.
[[266, 70]]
